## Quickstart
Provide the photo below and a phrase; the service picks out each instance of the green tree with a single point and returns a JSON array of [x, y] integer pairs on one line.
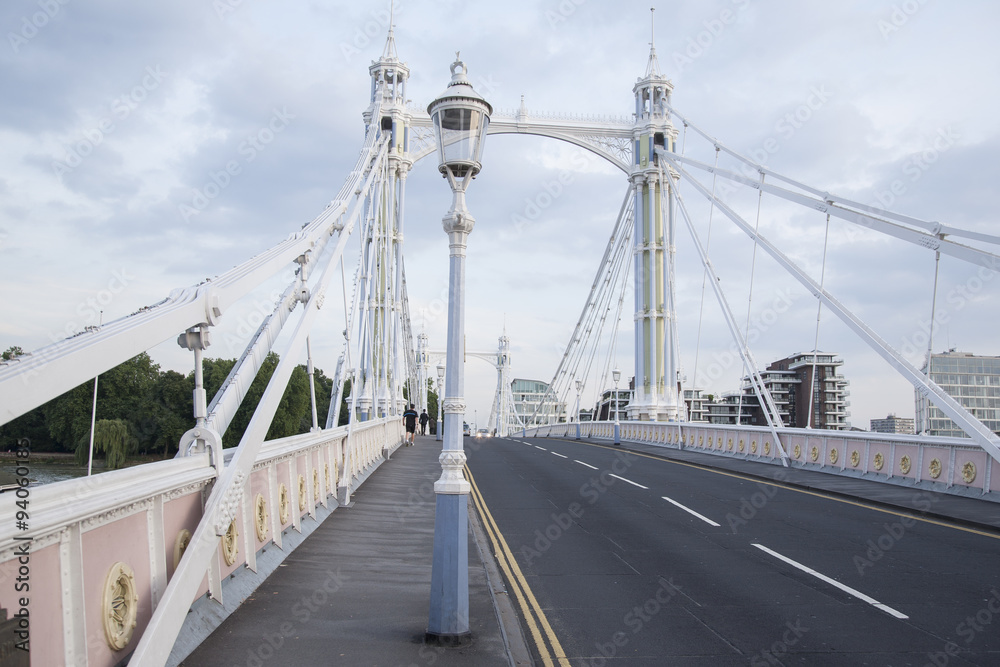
[[432, 399], [293, 408], [11, 352], [170, 408], [68, 416], [112, 438]]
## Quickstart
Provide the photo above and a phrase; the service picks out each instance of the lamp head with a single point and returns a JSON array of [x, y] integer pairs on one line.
[[460, 117], [617, 375]]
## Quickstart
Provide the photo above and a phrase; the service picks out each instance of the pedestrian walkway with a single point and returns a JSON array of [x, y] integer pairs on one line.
[[975, 512], [357, 591]]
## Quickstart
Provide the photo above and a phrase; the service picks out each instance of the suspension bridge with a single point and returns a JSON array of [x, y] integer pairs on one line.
[[141, 564]]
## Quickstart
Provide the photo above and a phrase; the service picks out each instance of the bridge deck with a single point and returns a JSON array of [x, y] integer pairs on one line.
[[357, 591]]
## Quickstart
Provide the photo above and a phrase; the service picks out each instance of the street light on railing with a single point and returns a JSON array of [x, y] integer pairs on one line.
[[617, 375], [460, 118]]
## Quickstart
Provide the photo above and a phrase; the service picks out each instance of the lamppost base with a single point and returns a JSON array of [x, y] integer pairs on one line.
[[449, 608], [447, 640]]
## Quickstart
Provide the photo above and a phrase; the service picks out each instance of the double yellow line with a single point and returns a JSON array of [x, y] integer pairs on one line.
[[552, 652]]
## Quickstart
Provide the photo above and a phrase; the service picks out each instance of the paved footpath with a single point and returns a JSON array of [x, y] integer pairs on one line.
[[357, 591]]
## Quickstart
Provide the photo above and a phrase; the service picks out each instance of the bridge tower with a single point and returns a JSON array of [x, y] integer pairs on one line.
[[381, 373], [658, 395], [503, 419]]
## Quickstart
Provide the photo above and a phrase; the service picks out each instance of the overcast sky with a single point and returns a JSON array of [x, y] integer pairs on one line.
[[114, 114]]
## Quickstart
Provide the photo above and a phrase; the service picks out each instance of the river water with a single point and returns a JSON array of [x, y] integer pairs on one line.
[[45, 473]]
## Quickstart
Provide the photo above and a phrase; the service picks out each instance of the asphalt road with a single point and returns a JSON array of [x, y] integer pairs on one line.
[[642, 561]]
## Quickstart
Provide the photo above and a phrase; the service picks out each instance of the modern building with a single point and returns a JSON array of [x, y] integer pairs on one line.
[[610, 403], [892, 424], [534, 404], [724, 409], [788, 381], [697, 405], [973, 381]]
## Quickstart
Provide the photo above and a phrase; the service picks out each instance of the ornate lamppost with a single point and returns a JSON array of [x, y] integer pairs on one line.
[[460, 118], [617, 375], [440, 423]]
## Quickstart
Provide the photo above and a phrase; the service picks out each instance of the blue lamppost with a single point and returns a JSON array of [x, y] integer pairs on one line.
[[460, 118]]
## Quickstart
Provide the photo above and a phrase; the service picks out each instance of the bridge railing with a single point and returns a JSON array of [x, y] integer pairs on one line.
[[97, 551], [952, 465]]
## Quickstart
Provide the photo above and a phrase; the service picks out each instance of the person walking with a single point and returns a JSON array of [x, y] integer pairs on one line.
[[423, 422], [410, 421]]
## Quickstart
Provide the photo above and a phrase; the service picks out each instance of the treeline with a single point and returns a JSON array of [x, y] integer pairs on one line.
[[143, 411]]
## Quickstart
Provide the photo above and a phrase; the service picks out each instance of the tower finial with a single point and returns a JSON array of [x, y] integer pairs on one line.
[[390, 43], [653, 67]]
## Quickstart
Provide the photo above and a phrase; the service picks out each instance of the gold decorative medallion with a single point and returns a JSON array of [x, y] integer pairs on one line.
[[316, 484], [797, 451], [260, 517], [683, 439], [302, 493], [834, 455], [767, 448], [879, 461], [855, 458], [180, 544], [230, 543], [935, 468], [814, 453], [710, 441], [729, 445], [905, 465], [741, 445], [701, 440], [284, 505], [119, 606], [969, 472], [326, 473], [753, 446]]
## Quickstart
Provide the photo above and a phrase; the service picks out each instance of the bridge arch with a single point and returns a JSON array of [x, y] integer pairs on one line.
[[515, 128]]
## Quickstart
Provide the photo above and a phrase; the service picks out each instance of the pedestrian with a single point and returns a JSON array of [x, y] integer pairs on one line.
[[433, 426], [424, 417], [410, 421]]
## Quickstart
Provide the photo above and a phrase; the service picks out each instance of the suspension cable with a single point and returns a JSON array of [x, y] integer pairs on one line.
[[923, 417], [819, 312], [753, 266], [704, 275]]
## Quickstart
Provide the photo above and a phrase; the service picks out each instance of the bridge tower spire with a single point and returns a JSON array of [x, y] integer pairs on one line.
[[658, 394]]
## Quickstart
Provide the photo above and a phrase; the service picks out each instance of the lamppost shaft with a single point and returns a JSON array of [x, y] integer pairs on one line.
[[449, 613]]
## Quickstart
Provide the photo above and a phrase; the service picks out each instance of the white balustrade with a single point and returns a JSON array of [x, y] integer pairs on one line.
[[119, 534]]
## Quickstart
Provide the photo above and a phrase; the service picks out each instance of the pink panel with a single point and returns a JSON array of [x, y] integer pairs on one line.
[[978, 459], [259, 484], [180, 513], [283, 473], [123, 540], [300, 464], [942, 455], [884, 449], [913, 453], [241, 556], [44, 605]]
